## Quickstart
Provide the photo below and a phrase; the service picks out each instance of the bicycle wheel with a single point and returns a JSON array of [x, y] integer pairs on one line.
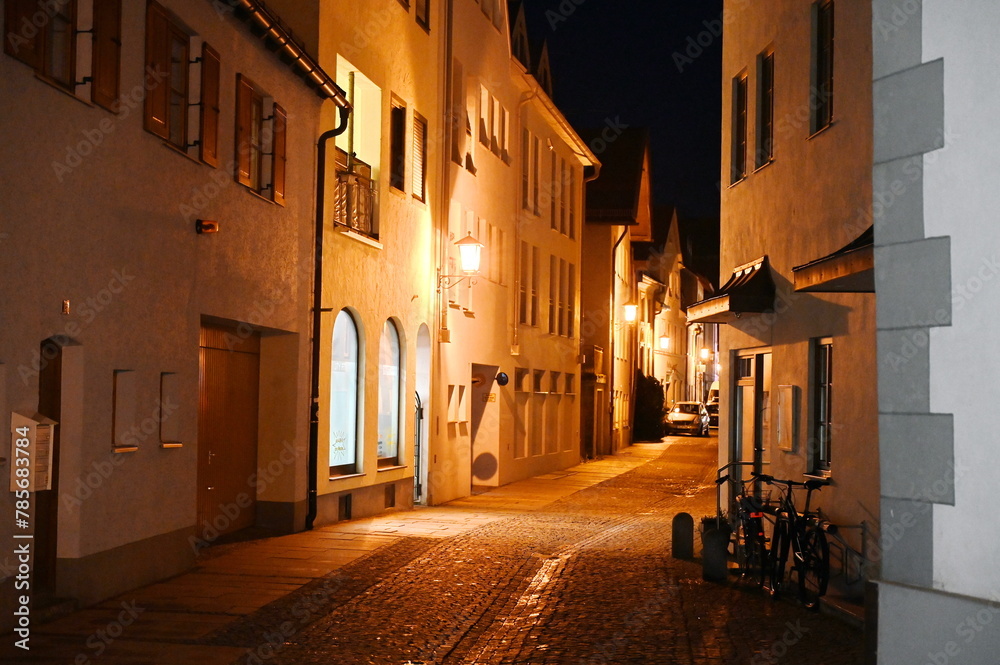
[[779, 555], [812, 565], [755, 552]]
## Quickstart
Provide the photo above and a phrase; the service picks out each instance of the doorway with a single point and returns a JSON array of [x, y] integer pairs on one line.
[[228, 399], [751, 423], [484, 427], [46, 503]]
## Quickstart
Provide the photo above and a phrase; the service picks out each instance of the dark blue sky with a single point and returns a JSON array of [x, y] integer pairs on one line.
[[653, 63]]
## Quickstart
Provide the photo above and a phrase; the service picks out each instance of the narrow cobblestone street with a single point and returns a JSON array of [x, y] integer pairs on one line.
[[587, 578]]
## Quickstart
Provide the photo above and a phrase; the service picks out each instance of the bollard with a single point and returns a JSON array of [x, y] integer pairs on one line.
[[715, 551], [682, 537]]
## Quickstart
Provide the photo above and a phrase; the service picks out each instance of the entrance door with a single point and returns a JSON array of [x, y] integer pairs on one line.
[[46, 503], [751, 422], [228, 382]]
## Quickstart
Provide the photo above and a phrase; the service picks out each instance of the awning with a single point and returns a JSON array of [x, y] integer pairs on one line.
[[749, 291], [850, 269]]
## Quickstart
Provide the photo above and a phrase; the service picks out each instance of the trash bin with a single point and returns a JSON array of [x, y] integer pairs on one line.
[[715, 535]]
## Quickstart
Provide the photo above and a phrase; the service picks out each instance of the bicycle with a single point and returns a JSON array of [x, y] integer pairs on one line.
[[803, 534], [749, 540]]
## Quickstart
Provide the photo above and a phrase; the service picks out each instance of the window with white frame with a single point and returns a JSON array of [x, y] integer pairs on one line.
[[822, 402], [345, 386], [390, 378]]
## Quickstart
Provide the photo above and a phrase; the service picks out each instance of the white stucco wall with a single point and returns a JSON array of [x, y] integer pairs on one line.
[[960, 201]]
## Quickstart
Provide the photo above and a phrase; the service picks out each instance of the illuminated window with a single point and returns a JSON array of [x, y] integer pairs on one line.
[[821, 97], [344, 389], [390, 378], [765, 108], [738, 165]]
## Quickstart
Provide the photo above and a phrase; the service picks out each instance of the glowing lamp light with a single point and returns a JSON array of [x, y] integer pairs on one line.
[[631, 310], [705, 353], [470, 253], [664, 342]]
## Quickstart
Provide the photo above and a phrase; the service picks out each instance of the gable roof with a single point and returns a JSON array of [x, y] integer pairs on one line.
[[614, 197]]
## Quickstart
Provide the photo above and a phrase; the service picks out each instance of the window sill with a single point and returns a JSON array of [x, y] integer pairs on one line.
[[763, 166], [61, 88], [346, 476], [169, 445], [736, 182], [819, 474], [359, 237], [124, 449], [396, 467], [180, 151], [822, 130], [251, 192]]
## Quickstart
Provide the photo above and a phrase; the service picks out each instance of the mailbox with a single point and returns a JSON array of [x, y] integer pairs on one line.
[[31, 452]]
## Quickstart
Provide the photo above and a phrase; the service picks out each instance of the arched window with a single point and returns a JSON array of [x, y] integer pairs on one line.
[[344, 390], [389, 380]]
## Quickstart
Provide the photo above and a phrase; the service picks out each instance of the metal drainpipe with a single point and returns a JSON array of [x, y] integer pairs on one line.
[[611, 383], [317, 327]]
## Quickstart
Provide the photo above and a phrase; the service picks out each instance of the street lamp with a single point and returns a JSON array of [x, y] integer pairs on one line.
[[470, 254], [664, 342], [631, 310]]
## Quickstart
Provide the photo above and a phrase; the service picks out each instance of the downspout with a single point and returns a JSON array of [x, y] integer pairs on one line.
[[317, 323], [611, 374]]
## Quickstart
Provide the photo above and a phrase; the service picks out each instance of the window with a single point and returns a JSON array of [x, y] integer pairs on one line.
[[397, 149], [208, 143], [738, 166], [359, 154], [821, 101], [570, 303], [536, 172], [765, 108], [104, 86], [344, 389], [167, 58], [259, 153], [418, 183], [525, 169], [457, 116], [524, 268], [123, 411], [529, 284], [563, 295], [822, 404], [572, 202], [563, 192], [50, 47], [553, 292], [390, 377], [535, 279], [553, 191], [423, 13]]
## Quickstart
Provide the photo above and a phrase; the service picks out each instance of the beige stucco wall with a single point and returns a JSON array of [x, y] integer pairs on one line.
[[814, 198], [113, 233]]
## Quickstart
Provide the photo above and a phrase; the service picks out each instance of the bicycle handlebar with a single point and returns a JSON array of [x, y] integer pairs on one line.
[[811, 484]]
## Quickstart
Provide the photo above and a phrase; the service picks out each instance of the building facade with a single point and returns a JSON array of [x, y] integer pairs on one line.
[[798, 349], [161, 206]]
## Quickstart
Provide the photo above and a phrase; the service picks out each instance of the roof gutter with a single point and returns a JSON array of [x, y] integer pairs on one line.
[[269, 27]]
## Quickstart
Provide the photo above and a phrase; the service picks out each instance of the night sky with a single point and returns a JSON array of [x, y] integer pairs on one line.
[[653, 63]]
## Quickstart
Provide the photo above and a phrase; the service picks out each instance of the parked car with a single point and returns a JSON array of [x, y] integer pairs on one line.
[[689, 417], [713, 413]]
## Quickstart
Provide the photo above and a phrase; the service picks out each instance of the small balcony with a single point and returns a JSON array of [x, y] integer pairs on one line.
[[355, 198]]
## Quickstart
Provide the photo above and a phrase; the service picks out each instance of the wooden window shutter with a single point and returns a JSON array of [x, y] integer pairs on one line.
[[244, 108], [107, 53], [419, 157], [157, 72], [208, 150], [22, 40], [278, 159]]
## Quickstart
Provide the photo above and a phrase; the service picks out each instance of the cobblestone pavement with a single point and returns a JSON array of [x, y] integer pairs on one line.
[[587, 579], [567, 568]]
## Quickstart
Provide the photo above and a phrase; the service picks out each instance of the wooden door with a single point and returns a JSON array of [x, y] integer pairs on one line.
[[228, 384]]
